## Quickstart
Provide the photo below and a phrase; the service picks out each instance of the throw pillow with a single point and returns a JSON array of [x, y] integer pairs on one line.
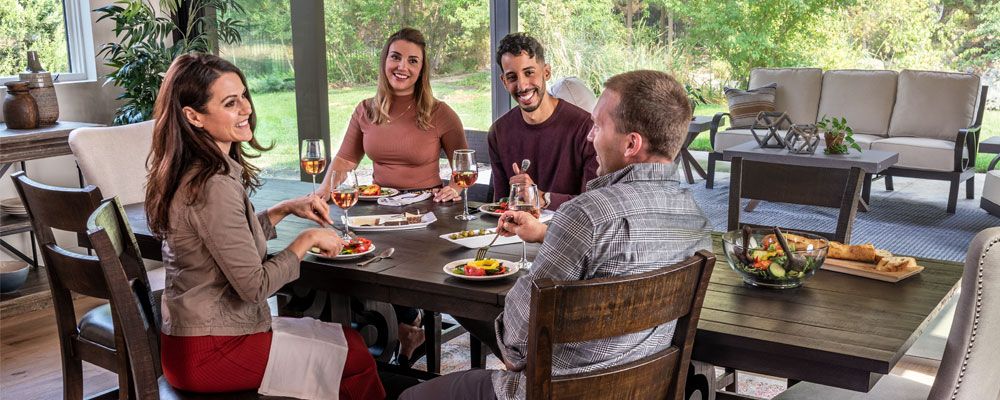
[[744, 105]]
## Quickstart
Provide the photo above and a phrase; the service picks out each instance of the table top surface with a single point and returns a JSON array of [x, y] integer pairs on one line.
[[832, 321], [871, 161]]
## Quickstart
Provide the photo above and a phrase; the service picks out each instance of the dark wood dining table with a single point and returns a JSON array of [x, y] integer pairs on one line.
[[838, 330]]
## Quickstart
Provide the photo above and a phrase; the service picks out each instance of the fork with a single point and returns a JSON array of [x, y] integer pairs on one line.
[[481, 252]]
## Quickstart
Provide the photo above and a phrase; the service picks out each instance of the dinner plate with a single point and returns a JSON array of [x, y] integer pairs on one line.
[[386, 192], [475, 242], [344, 256], [356, 222], [512, 269], [489, 207]]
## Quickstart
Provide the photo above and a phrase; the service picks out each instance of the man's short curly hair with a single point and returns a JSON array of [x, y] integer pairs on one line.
[[517, 42]]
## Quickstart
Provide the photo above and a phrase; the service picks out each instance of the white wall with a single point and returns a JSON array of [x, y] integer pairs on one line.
[[84, 101]]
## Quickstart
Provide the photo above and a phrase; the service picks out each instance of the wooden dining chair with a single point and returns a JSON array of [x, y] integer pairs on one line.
[[971, 363], [580, 311], [93, 338], [133, 304]]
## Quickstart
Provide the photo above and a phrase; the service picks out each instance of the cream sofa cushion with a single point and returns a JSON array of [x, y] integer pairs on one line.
[[735, 137], [864, 140], [865, 98], [991, 187], [114, 158], [798, 90], [921, 153], [933, 104]]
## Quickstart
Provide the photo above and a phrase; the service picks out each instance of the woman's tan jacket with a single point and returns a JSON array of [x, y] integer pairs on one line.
[[218, 280]]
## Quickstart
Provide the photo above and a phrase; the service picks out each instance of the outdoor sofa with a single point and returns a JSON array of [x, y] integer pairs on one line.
[[932, 119]]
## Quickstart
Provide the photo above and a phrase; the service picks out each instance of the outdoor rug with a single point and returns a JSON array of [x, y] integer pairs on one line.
[[911, 220]]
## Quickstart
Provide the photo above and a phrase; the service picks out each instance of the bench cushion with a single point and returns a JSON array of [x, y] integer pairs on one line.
[[735, 137], [798, 90], [920, 153], [865, 98], [864, 140], [933, 104]]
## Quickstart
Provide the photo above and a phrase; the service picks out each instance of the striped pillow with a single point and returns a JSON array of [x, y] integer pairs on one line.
[[744, 105]]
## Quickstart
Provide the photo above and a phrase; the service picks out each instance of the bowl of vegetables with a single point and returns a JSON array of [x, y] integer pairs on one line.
[[768, 257]]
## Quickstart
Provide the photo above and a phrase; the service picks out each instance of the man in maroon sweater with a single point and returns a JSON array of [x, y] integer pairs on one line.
[[552, 133]]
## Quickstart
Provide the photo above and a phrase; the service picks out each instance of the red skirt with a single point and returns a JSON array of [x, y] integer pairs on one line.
[[218, 364]]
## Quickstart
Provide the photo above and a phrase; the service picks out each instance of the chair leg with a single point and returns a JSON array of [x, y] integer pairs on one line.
[[710, 179], [72, 369], [970, 188], [953, 196], [888, 183]]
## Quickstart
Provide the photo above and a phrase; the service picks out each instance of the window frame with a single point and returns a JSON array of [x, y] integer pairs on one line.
[[79, 45]]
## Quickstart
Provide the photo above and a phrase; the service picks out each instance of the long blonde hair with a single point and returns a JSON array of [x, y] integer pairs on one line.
[[378, 106]]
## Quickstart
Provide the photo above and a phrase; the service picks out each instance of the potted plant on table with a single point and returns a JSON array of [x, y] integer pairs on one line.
[[839, 137]]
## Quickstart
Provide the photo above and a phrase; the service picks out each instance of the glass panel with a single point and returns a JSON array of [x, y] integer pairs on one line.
[[457, 32], [32, 25], [265, 56]]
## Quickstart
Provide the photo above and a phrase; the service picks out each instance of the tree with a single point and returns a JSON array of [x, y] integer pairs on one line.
[[32, 25]]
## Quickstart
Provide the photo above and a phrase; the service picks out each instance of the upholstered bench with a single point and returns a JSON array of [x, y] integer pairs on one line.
[[931, 119]]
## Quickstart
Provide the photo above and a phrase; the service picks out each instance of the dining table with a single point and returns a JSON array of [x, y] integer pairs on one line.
[[836, 329]]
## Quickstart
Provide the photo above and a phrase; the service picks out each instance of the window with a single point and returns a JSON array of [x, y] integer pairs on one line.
[[60, 31]]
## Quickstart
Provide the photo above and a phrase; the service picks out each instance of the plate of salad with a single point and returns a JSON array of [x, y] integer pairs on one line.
[[481, 270], [358, 247]]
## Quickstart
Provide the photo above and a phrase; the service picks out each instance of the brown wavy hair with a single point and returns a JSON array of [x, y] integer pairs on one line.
[[378, 106], [179, 147], [655, 105]]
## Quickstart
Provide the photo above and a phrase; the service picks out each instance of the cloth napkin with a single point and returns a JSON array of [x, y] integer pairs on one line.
[[405, 199], [306, 360]]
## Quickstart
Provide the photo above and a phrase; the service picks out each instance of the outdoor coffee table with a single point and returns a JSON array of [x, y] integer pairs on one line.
[[991, 145], [695, 127], [837, 181]]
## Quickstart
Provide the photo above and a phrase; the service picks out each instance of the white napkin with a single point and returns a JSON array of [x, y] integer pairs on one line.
[[306, 360], [405, 199]]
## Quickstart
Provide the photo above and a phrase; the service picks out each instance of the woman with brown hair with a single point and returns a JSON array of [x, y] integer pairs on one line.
[[216, 334], [403, 130]]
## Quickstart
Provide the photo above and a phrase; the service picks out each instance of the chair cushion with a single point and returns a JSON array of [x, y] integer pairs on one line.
[[933, 104], [798, 90], [864, 140], [114, 158], [575, 91], [920, 153], [744, 105], [889, 387], [168, 392], [865, 98], [97, 326], [734, 137], [991, 187]]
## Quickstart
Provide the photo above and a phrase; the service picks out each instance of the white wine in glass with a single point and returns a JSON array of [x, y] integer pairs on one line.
[[464, 173], [345, 196], [313, 158], [525, 198]]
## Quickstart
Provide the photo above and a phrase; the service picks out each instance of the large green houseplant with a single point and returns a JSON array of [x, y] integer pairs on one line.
[[148, 41]]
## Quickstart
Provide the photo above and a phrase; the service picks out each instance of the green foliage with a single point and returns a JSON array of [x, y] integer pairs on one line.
[[145, 50], [837, 127], [32, 25], [271, 83]]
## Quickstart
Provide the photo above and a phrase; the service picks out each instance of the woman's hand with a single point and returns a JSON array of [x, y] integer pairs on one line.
[[522, 224], [311, 207], [448, 193], [327, 241]]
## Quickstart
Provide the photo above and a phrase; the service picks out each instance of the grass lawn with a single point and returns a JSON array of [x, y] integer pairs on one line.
[[469, 97], [991, 127]]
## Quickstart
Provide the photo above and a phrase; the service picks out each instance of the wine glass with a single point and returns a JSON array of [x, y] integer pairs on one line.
[[345, 196], [313, 158], [524, 197], [464, 173]]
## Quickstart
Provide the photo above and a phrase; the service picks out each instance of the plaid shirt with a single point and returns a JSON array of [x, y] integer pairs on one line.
[[628, 222]]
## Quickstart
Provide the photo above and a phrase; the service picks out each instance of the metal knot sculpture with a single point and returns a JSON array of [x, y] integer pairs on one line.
[[771, 122], [802, 139]]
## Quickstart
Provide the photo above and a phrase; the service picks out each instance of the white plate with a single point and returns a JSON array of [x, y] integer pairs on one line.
[[512, 269], [485, 209], [343, 256], [389, 192], [476, 242], [427, 219], [12, 202]]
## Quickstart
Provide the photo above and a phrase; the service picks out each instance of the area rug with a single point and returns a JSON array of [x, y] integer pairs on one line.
[[911, 220]]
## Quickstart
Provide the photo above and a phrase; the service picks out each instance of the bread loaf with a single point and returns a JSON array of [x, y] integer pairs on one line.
[[894, 264], [863, 252]]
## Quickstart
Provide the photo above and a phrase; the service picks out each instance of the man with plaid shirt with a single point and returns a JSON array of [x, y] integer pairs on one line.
[[633, 218]]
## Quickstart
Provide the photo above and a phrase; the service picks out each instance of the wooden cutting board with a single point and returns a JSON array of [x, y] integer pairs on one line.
[[867, 270]]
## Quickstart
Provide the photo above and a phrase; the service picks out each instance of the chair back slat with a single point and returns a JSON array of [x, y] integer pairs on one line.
[[580, 311], [78, 273], [131, 299], [52, 207]]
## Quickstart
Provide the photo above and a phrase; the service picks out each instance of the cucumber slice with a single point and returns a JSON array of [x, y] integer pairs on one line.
[[777, 270]]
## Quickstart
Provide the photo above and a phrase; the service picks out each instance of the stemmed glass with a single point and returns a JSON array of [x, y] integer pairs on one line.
[[345, 196], [524, 197], [464, 173], [313, 158]]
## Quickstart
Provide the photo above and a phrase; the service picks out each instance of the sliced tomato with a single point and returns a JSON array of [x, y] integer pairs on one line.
[[474, 271]]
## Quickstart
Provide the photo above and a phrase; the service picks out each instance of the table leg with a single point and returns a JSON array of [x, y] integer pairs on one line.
[[735, 189], [686, 163], [849, 205], [751, 205], [993, 163], [432, 343]]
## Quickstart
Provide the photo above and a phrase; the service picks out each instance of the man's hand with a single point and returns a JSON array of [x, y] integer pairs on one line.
[[520, 177], [522, 224]]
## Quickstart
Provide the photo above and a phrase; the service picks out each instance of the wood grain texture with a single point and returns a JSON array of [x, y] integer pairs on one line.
[[30, 144]]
